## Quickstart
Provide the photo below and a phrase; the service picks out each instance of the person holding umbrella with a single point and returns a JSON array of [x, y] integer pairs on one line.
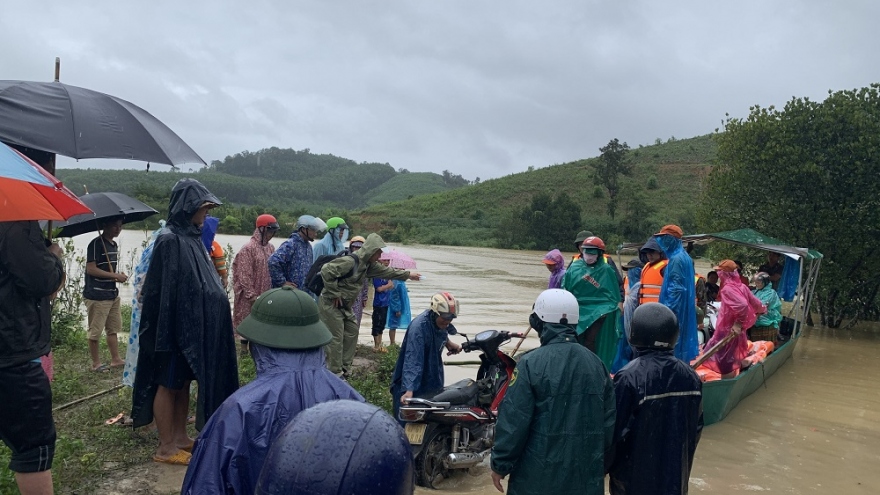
[[101, 295]]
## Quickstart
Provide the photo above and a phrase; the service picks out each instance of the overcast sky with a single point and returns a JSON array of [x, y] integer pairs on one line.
[[481, 88]]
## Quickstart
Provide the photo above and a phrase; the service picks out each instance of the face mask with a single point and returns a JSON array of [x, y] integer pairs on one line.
[[590, 259], [536, 323]]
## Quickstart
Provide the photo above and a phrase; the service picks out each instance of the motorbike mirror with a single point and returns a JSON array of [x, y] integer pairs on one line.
[[463, 335]]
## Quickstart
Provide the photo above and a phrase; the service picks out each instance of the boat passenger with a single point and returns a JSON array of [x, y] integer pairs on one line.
[[593, 283], [556, 266], [652, 273], [767, 325], [773, 268], [739, 310], [678, 292]]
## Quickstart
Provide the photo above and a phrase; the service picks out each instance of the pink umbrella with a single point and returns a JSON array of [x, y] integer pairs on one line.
[[398, 260]]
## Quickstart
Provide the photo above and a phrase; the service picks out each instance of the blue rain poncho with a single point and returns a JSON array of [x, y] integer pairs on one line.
[[331, 243], [137, 282], [230, 451], [399, 315], [419, 365], [679, 294], [624, 350]]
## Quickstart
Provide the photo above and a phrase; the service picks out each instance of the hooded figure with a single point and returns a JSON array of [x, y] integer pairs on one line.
[[556, 421], [250, 269], [556, 265], [215, 250], [399, 313], [659, 410], [678, 293], [286, 341], [186, 323], [343, 281], [765, 293], [594, 283], [739, 310], [333, 241]]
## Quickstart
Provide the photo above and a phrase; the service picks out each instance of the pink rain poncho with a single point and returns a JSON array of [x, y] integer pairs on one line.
[[250, 275], [738, 304]]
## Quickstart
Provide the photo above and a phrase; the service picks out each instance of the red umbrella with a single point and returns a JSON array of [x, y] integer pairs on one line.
[[398, 260], [27, 192]]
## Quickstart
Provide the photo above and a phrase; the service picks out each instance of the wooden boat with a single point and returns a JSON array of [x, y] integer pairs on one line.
[[722, 396]]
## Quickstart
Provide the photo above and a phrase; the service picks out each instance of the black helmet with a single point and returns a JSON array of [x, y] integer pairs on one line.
[[341, 446], [654, 326]]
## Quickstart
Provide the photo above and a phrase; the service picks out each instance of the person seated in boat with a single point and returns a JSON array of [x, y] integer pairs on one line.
[[712, 286], [767, 325], [419, 368], [739, 310], [655, 393], [773, 268]]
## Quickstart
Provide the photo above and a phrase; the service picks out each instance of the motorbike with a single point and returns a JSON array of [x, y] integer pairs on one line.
[[455, 429]]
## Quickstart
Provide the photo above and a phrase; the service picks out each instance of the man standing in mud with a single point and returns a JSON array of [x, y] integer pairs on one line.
[[30, 272]]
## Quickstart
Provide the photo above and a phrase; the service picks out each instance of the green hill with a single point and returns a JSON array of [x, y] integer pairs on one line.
[[664, 188], [283, 181]]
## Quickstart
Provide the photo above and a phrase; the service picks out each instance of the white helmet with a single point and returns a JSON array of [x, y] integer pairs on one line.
[[310, 222], [555, 304], [445, 305]]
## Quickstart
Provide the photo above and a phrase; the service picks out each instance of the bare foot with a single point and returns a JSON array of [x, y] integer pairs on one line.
[[117, 364]]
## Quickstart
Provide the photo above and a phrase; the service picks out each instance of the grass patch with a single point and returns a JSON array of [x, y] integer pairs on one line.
[[87, 452]]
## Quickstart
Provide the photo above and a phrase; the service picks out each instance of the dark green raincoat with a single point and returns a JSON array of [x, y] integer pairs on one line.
[[556, 421], [598, 294]]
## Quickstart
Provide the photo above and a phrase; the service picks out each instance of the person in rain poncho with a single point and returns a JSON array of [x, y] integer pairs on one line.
[[594, 284], [140, 273], [290, 263], [767, 325], [333, 241], [185, 329], [340, 292], [556, 421], [250, 269], [399, 314], [678, 293], [286, 341], [659, 410], [632, 284], [419, 368], [739, 311], [215, 250], [556, 265]]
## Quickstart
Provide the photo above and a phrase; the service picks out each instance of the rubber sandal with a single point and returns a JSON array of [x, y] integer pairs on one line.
[[180, 458], [103, 368], [188, 448], [115, 419]]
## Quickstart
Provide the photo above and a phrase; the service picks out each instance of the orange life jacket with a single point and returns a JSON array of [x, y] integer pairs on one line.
[[219, 258], [652, 281]]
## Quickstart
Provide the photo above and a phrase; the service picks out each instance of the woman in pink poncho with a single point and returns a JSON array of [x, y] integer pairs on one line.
[[739, 310], [250, 270]]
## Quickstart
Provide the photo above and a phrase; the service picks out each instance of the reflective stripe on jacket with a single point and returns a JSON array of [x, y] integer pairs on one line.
[[652, 281]]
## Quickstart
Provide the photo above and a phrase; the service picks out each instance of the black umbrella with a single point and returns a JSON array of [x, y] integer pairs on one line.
[[82, 123], [105, 205]]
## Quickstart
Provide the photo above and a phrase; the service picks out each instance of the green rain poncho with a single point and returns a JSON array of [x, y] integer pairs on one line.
[[597, 293], [770, 299]]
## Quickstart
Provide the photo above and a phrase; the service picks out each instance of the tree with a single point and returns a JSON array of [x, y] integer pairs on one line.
[[544, 223], [607, 169], [808, 175]]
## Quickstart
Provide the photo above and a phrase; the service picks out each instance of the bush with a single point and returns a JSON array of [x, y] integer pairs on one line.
[[67, 319], [652, 183]]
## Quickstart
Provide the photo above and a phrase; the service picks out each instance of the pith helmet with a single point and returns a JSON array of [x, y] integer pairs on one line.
[[285, 318]]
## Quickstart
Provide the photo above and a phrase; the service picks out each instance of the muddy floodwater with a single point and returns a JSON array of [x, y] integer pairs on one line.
[[814, 427]]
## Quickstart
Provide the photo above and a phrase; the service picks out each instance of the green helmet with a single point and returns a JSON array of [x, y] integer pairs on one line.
[[285, 318], [336, 222]]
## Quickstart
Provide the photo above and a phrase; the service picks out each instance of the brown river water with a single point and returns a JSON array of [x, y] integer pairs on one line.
[[814, 427]]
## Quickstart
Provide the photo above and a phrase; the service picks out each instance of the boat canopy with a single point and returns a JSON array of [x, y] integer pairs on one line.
[[744, 237]]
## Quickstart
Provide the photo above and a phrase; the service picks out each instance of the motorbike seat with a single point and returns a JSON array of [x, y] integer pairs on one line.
[[463, 392]]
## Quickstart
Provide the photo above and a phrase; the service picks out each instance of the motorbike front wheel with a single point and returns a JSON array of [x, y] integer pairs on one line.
[[429, 463]]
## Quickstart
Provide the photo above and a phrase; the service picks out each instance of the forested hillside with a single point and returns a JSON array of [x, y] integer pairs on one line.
[[284, 181], [516, 210]]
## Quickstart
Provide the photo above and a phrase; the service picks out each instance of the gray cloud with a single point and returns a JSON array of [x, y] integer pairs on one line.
[[479, 88]]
